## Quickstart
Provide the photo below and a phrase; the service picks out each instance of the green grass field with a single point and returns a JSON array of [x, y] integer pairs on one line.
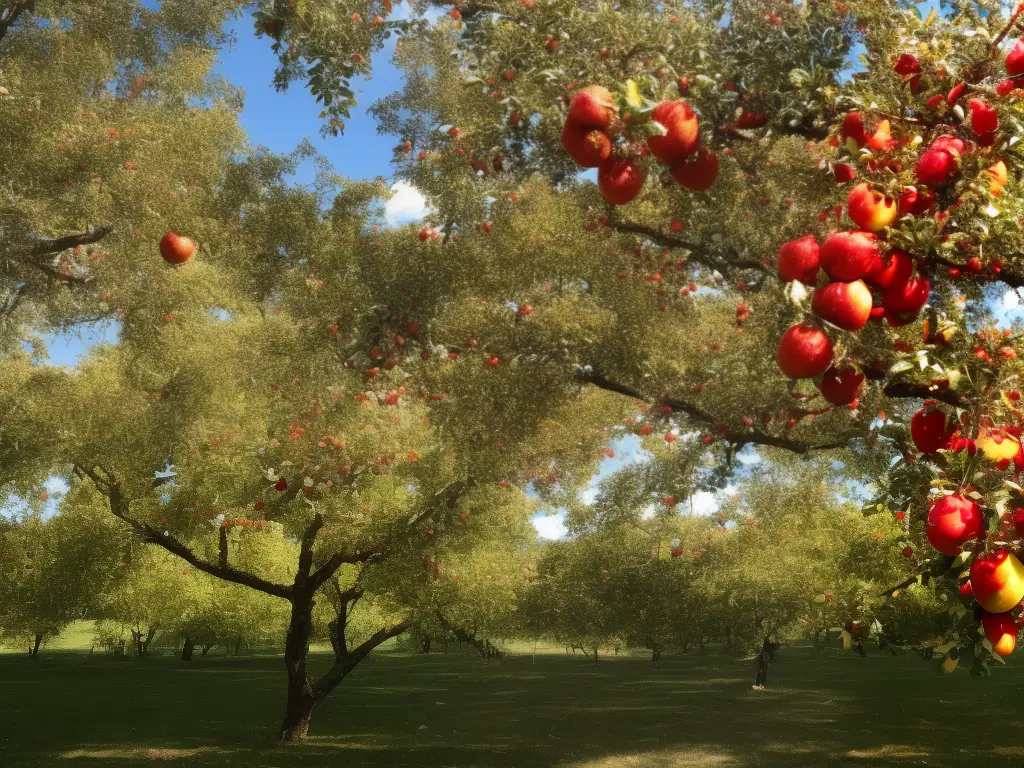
[[73, 709]]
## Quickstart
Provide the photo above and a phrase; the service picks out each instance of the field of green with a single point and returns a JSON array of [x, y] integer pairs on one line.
[[74, 709]]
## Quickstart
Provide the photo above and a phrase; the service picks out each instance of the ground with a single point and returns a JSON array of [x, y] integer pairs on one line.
[[555, 711]]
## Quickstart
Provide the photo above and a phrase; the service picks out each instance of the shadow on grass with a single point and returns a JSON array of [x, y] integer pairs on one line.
[[552, 712]]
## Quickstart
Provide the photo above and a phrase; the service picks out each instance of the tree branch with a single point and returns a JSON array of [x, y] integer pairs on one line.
[[11, 15], [47, 246], [695, 249], [108, 485], [589, 375], [343, 666], [448, 497]]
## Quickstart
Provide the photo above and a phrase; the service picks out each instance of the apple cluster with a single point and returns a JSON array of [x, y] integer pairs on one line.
[[956, 520], [859, 264], [593, 123]]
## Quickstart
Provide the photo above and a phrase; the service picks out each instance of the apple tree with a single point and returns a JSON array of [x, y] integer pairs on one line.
[[53, 570]]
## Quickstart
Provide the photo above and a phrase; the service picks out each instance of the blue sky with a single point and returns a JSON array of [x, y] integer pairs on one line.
[[280, 122]]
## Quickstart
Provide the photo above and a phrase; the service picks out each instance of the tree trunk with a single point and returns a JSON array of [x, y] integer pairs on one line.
[[187, 647], [762, 664], [206, 648], [425, 648], [655, 652], [299, 707], [150, 634], [238, 645], [33, 652]]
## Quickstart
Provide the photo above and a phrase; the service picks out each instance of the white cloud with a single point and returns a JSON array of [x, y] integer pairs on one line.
[[56, 486], [550, 526], [589, 494], [703, 503], [406, 204], [748, 455]]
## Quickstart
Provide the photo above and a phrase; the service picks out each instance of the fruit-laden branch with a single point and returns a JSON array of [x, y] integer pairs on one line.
[[1004, 276], [47, 246], [589, 375], [722, 265], [109, 486], [11, 14]]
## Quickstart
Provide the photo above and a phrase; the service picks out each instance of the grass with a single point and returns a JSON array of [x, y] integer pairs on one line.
[[831, 708]]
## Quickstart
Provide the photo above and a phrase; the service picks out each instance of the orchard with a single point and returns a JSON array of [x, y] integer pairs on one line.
[[728, 290]]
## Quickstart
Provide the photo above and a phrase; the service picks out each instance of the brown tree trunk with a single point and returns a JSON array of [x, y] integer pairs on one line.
[[187, 648], [33, 652], [299, 707], [206, 648]]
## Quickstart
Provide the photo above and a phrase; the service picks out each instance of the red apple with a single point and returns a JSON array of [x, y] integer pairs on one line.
[[841, 385], [589, 147], [903, 302], [593, 107], [1001, 630], [984, 119], [849, 256], [176, 249], [682, 131], [804, 352], [799, 260], [1015, 60], [952, 522], [929, 431], [845, 305], [895, 269], [844, 172], [914, 202], [909, 68], [620, 181], [940, 161], [852, 131], [697, 173], [881, 140], [998, 581], [870, 209]]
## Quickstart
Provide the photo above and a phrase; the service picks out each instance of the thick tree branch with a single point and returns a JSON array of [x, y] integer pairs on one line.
[[447, 499], [11, 14], [589, 375], [47, 246], [108, 485], [343, 666], [898, 390]]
